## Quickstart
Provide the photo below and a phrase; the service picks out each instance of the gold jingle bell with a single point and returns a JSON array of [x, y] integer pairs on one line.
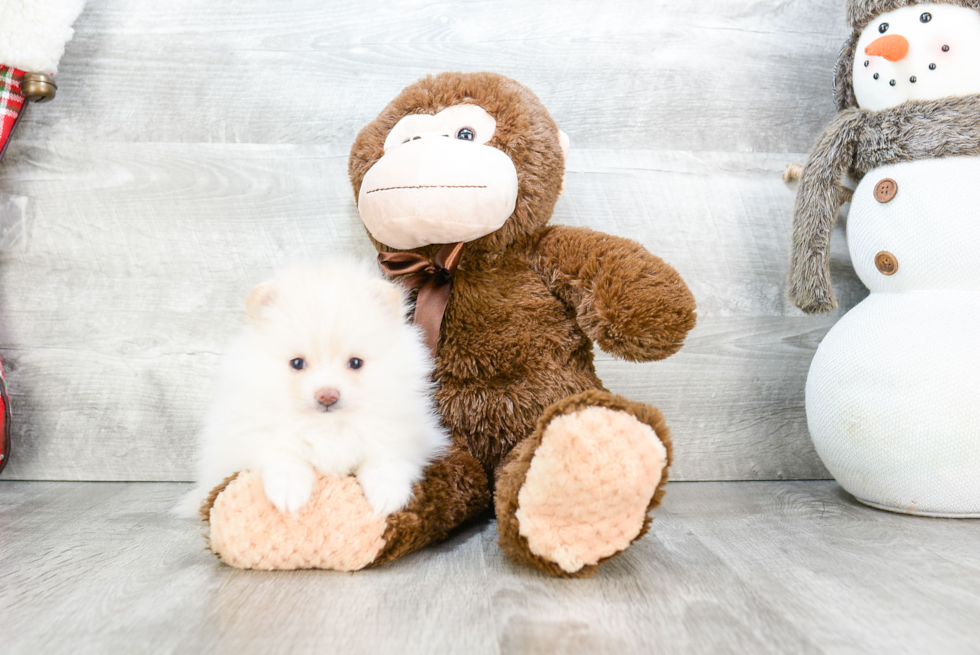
[[38, 87]]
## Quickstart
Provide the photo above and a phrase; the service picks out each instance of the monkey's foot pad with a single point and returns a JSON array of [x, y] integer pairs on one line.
[[337, 530], [589, 486]]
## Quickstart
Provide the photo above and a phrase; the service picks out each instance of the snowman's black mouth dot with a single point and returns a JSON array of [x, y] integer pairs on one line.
[[913, 79], [867, 63], [877, 76], [945, 48], [932, 67], [893, 82]]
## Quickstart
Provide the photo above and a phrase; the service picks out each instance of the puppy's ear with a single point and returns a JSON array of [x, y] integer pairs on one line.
[[258, 299], [391, 297]]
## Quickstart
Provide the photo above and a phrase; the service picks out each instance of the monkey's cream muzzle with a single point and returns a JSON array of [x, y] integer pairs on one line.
[[436, 190]]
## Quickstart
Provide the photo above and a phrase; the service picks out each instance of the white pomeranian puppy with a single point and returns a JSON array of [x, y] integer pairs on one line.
[[329, 377]]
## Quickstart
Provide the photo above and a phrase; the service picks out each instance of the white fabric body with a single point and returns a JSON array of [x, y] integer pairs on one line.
[[33, 33], [956, 72], [932, 226], [893, 394]]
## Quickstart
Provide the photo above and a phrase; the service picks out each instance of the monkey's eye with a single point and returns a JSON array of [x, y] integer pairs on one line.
[[299, 363], [355, 363], [883, 28], [466, 134], [926, 17]]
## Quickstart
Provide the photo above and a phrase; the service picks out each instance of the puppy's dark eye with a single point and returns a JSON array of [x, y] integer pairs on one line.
[[355, 363], [926, 17], [883, 28], [299, 363], [466, 134]]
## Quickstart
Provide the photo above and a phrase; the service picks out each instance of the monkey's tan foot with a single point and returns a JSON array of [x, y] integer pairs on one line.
[[337, 529], [579, 490]]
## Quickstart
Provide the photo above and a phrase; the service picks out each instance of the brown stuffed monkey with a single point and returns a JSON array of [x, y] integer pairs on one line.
[[456, 180]]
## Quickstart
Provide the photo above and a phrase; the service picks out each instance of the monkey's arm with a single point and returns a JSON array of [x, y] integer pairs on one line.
[[633, 304]]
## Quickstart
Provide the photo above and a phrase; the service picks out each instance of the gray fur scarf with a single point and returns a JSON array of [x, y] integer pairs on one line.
[[856, 142]]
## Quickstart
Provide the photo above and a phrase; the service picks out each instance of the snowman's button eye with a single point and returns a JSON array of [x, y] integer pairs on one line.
[[466, 134], [883, 28], [926, 17]]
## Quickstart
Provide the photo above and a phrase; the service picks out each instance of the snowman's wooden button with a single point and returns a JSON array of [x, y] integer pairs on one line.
[[886, 190], [886, 263]]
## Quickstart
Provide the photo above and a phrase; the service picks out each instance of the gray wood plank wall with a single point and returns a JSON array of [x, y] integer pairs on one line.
[[196, 146]]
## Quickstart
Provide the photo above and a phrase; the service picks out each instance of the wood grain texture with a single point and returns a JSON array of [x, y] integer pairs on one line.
[[708, 76], [771, 567], [196, 147]]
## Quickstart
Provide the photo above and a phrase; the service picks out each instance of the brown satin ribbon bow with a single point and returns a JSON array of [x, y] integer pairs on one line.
[[434, 278]]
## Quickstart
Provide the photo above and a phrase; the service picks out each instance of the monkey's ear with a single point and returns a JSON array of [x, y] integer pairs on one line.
[[565, 144], [258, 299]]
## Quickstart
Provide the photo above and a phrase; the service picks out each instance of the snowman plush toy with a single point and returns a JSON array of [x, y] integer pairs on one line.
[[893, 394]]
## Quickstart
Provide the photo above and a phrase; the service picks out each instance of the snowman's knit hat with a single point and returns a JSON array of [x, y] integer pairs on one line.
[[862, 12], [859, 14]]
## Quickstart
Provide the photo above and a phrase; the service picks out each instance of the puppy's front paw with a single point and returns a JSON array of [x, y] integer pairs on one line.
[[288, 488], [385, 492]]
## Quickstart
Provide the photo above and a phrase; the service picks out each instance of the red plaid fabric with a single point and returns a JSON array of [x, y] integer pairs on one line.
[[11, 105], [11, 102]]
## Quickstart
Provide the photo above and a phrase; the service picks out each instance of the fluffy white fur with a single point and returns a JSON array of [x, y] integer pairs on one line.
[[33, 33], [266, 418]]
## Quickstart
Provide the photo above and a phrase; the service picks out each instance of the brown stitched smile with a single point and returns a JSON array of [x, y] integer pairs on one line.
[[429, 186]]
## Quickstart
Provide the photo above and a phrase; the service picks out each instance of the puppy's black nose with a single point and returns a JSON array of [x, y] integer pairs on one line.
[[327, 397]]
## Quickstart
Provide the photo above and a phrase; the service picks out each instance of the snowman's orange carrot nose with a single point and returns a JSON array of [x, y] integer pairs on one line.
[[892, 47]]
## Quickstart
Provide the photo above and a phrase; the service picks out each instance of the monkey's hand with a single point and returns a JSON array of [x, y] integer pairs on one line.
[[633, 304]]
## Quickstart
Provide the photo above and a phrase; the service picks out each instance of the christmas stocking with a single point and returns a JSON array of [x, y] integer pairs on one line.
[[33, 34]]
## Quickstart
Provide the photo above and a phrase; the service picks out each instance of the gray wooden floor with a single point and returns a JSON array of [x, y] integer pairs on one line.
[[760, 567]]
